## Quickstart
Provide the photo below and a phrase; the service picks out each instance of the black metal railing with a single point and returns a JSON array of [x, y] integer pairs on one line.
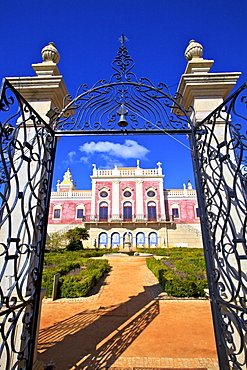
[[220, 163], [26, 165], [121, 218]]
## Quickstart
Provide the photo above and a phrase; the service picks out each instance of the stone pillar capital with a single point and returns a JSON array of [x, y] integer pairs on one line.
[[47, 89], [200, 88]]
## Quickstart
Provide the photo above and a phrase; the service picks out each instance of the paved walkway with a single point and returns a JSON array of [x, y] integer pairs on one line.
[[129, 324]]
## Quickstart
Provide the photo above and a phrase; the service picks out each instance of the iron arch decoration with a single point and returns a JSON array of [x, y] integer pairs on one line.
[[123, 103]]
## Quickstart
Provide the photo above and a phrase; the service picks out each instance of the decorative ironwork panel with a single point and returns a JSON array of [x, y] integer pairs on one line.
[[125, 101], [220, 159], [27, 156]]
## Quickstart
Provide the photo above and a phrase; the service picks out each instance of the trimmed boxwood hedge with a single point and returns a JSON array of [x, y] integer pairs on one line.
[[62, 255], [173, 284], [82, 283], [72, 286], [62, 269]]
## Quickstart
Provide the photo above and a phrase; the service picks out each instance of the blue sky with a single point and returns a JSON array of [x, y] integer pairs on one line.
[[86, 33]]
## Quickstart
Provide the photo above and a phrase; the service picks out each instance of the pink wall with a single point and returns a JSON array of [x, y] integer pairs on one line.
[[186, 205], [68, 211], [186, 210], [154, 186]]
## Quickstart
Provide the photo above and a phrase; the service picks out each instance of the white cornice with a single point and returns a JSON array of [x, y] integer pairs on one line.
[[41, 88], [206, 85]]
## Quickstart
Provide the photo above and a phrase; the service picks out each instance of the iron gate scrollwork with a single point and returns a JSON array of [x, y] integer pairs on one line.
[[148, 108], [220, 160], [27, 157]]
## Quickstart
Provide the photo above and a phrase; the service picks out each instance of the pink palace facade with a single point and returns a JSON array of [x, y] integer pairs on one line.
[[127, 202]]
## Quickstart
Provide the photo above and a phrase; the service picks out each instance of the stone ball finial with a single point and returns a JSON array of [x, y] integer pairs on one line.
[[193, 50], [50, 54]]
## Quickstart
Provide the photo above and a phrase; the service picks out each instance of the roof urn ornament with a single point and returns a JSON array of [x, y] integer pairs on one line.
[[193, 50], [50, 54]]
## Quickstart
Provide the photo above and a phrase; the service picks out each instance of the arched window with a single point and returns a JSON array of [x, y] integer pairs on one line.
[[57, 212], [153, 240], [115, 240], [103, 211], [140, 240], [152, 211], [127, 211], [103, 240]]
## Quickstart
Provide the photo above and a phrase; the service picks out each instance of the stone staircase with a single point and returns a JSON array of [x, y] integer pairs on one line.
[[184, 235]]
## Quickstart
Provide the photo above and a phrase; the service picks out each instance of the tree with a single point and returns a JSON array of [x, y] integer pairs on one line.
[[55, 241], [75, 237]]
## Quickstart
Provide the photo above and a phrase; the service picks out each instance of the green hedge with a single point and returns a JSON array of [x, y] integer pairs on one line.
[[173, 284], [57, 257], [62, 269], [81, 284], [72, 286]]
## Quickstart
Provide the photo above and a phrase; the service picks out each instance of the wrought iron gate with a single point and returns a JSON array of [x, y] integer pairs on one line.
[[219, 147], [27, 157], [124, 104]]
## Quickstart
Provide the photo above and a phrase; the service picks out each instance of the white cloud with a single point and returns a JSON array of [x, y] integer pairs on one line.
[[110, 162], [130, 149], [69, 158], [71, 155], [84, 160]]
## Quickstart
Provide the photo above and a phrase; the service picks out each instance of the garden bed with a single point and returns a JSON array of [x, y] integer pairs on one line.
[[78, 275], [182, 273]]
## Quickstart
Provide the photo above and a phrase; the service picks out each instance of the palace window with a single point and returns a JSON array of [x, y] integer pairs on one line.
[[150, 193], [127, 194], [79, 213], [152, 211], [57, 212], [197, 212], [103, 194], [127, 211], [175, 212], [103, 211]]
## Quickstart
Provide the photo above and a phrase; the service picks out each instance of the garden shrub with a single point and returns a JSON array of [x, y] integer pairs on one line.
[[62, 269], [173, 284], [82, 283], [74, 245], [63, 262]]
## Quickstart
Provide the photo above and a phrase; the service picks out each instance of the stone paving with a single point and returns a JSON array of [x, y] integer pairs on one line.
[[129, 323]]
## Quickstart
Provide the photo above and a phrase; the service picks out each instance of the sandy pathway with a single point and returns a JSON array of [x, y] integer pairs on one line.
[[124, 326]]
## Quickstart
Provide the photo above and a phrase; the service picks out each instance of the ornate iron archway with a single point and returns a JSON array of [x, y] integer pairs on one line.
[[122, 104], [137, 106]]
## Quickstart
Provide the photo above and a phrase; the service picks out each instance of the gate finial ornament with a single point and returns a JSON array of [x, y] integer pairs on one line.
[[122, 39], [50, 54], [193, 50]]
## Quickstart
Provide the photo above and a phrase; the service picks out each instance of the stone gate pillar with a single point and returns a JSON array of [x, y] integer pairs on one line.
[[27, 184], [222, 196]]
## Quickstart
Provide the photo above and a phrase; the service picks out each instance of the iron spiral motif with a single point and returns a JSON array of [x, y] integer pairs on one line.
[[27, 151], [220, 156], [149, 107]]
